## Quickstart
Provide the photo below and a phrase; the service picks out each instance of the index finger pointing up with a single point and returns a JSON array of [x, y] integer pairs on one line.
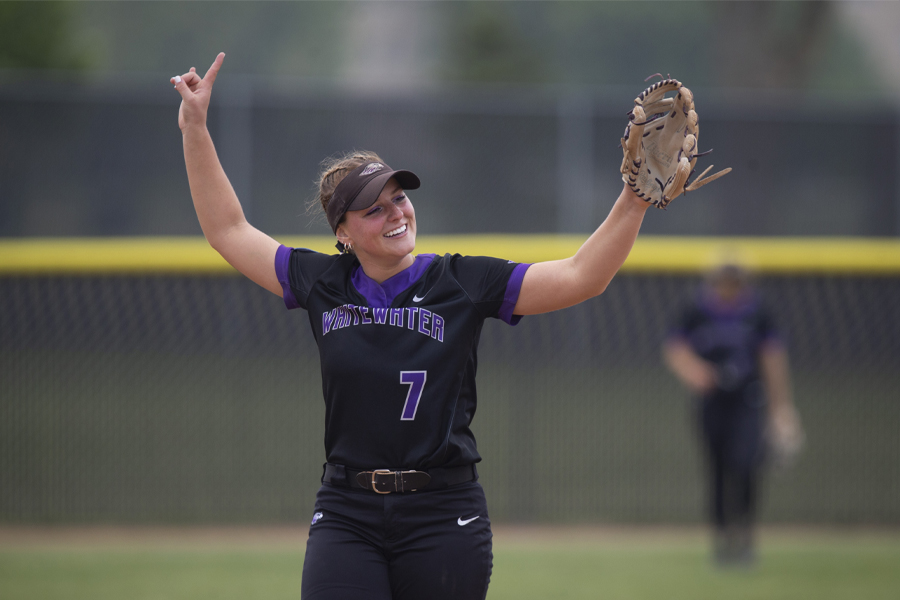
[[210, 76]]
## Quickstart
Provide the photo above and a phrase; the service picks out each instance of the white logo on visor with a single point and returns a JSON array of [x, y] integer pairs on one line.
[[372, 168]]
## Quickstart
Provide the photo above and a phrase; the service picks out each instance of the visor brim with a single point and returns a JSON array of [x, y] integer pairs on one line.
[[369, 194]]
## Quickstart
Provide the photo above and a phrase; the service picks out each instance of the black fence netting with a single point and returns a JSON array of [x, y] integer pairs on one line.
[[188, 399], [106, 158]]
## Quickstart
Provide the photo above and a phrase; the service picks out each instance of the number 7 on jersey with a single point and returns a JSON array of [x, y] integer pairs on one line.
[[416, 382]]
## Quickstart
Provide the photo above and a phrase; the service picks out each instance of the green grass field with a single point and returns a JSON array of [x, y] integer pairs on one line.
[[538, 563]]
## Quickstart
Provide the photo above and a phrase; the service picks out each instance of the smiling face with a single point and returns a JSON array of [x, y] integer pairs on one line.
[[383, 233]]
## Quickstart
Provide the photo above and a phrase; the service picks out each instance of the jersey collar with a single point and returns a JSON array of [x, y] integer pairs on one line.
[[383, 294]]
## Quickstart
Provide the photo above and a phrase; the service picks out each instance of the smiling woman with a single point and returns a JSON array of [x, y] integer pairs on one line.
[[400, 513], [366, 204]]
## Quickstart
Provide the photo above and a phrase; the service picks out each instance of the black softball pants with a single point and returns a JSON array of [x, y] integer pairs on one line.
[[733, 434], [433, 545]]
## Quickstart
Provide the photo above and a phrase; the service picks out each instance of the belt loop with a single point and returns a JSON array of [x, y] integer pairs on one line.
[[339, 472]]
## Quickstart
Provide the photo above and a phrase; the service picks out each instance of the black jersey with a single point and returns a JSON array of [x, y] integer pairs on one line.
[[730, 337], [399, 358]]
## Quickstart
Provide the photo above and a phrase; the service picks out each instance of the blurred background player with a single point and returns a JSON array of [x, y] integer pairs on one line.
[[727, 351]]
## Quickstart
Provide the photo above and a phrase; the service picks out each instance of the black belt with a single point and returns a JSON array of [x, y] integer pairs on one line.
[[385, 481]]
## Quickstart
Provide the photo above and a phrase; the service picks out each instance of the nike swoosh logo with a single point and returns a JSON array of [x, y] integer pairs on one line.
[[460, 521], [417, 299]]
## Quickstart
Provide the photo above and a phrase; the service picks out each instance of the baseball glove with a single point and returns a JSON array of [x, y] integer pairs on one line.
[[785, 438], [660, 144]]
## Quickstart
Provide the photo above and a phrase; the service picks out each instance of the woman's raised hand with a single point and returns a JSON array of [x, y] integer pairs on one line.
[[195, 93]]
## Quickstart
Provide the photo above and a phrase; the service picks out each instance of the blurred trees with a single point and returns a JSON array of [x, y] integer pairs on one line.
[[38, 35], [769, 44], [791, 44], [585, 43], [285, 38], [787, 45], [489, 42]]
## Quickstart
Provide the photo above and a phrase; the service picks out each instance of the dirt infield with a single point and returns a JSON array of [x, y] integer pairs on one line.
[[294, 536], [201, 537]]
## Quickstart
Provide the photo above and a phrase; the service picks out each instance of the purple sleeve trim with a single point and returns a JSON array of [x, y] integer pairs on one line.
[[513, 287], [282, 268]]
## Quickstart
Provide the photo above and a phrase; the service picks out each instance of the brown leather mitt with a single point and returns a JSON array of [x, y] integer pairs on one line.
[[660, 144]]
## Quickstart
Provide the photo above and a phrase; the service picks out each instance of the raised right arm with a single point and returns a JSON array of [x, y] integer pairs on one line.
[[246, 248]]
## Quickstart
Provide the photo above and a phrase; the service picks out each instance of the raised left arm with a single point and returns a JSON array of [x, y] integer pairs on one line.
[[557, 284]]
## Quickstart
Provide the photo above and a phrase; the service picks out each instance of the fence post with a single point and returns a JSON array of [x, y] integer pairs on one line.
[[575, 163], [234, 142]]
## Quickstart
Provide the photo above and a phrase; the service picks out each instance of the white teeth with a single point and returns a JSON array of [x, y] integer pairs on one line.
[[397, 231]]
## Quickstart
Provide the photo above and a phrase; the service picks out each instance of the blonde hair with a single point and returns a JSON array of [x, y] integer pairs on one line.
[[334, 169]]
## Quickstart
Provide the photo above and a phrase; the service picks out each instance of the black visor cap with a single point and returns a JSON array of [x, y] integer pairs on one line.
[[361, 188]]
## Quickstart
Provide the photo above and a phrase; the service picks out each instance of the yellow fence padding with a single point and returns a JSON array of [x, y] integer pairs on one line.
[[650, 254]]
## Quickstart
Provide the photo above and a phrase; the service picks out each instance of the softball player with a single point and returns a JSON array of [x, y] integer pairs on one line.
[[726, 349], [400, 513]]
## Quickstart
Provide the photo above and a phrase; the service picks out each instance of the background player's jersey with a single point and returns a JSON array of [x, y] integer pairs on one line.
[[731, 337], [399, 359]]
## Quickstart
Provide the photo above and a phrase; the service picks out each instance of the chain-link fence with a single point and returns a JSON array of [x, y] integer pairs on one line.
[[197, 399], [105, 158]]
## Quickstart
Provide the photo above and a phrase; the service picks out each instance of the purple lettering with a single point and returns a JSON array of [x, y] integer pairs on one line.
[[429, 323], [327, 321], [437, 327], [424, 320]]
